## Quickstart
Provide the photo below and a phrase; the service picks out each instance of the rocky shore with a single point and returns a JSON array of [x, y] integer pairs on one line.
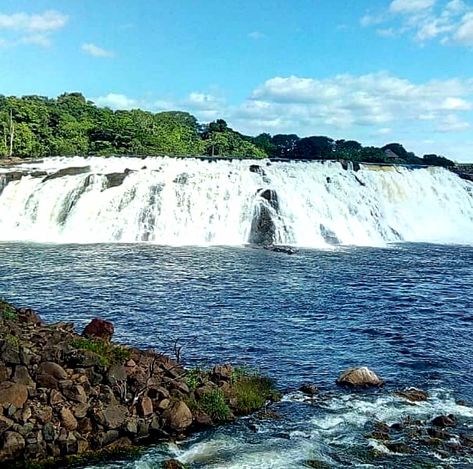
[[65, 395]]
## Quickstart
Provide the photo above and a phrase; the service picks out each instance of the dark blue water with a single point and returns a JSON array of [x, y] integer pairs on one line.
[[406, 311]]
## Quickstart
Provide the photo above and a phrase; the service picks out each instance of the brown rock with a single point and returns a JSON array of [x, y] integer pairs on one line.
[[224, 372], [99, 328], [69, 422], [146, 406], [443, 421], [43, 413], [13, 393], [114, 416], [22, 376], [359, 377], [76, 393], [12, 446], [164, 404], [178, 416], [80, 410], [52, 369], [85, 426], [55, 397], [5, 372], [309, 389], [173, 464], [413, 394], [28, 315], [47, 381]]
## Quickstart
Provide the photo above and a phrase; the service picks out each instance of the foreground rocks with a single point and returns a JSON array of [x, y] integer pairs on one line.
[[63, 394]]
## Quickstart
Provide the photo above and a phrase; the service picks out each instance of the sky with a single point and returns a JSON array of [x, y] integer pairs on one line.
[[377, 71]]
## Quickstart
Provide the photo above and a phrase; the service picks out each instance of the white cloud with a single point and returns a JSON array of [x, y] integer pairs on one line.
[[370, 108], [450, 22], [26, 28], [50, 20], [116, 101], [96, 51], [410, 6]]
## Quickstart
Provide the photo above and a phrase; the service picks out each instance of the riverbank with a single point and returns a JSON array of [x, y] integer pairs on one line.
[[66, 395]]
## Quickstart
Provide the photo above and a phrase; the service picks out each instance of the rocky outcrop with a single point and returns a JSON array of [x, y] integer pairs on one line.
[[72, 171], [359, 377], [263, 226], [63, 394]]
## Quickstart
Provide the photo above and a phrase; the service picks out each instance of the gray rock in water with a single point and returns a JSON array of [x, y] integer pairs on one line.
[[263, 228], [73, 171]]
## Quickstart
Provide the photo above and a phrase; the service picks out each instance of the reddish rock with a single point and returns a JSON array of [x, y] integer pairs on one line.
[[100, 329], [178, 416]]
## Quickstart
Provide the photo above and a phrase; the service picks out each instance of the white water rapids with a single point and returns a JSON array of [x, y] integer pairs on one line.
[[195, 202]]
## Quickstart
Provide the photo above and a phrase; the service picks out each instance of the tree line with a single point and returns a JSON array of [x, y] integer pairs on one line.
[[37, 126]]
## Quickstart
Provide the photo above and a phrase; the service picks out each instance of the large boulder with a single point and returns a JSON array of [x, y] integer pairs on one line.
[[263, 226], [178, 417], [99, 328], [359, 377], [12, 445]]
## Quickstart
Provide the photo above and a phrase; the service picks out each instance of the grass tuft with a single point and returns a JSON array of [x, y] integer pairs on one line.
[[214, 404], [109, 353]]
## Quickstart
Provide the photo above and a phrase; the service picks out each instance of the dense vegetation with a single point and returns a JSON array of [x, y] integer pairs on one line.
[[36, 126]]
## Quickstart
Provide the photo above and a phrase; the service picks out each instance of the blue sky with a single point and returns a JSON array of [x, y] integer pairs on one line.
[[373, 70]]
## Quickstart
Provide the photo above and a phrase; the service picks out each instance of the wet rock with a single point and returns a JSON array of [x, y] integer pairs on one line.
[[359, 377], [173, 464], [13, 393], [178, 416], [443, 421], [99, 328], [263, 227], [398, 447], [413, 394], [73, 171], [282, 249], [115, 179], [329, 236], [254, 168], [313, 463], [309, 389]]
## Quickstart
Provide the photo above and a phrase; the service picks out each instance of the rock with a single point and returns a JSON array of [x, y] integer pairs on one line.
[[49, 432], [223, 372], [254, 168], [263, 227], [29, 316], [11, 354], [13, 393], [99, 328], [73, 171], [413, 395], [443, 421], [178, 416], [146, 406], [173, 464], [115, 179], [52, 369], [12, 446], [359, 377], [69, 422], [43, 413], [22, 376], [398, 447], [5, 372], [116, 373], [309, 389], [47, 381], [5, 424], [282, 249], [55, 398], [80, 410], [115, 416], [76, 393], [164, 404]]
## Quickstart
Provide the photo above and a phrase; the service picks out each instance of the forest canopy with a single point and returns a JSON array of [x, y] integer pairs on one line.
[[37, 126]]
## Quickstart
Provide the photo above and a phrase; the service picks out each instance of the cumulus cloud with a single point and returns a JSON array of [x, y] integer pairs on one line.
[[96, 51], [370, 108], [448, 21], [26, 28]]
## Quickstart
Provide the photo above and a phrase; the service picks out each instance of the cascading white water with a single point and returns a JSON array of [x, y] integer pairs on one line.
[[189, 202]]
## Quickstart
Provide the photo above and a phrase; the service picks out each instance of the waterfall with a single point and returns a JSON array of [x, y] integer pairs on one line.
[[193, 202]]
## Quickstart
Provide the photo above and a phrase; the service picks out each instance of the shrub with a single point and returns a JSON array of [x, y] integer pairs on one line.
[[109, 353], [214, 404], [194, 378], [7, 311]]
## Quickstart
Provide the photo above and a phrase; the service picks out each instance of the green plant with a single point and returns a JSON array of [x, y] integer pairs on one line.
[[214, 404], [108, 353], [252, 392], [194, 377], [7, 311]]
